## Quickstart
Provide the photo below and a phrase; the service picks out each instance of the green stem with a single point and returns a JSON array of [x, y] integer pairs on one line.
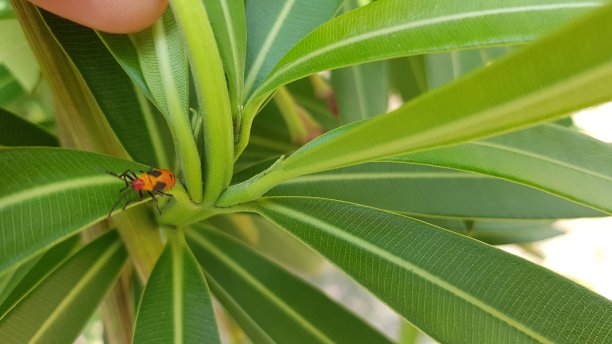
[[213, 95], [178, 119], [289, 110]]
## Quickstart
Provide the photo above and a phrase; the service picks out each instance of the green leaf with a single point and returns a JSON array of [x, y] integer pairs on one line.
[[361, 90], [452, 287], [16, 55], [43, 265], [500, 233], [260, 294], [15, 131], [445, 67], [176, 306], [163, 61], [10, 90], [417, 27], [58, 308], [138, 129], [275, 27], [11, 277], [408, 76], [228, 21], [549, 157], [49, 194], [270, 240], [434, 192], [522, 89]]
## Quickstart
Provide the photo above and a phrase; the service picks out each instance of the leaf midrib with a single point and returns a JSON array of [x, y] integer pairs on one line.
[[42, 189], [260, 287], [523, 152], [265, 48], [403, 264], [83, 282], [382, 175], [232, 41], [413, 25]]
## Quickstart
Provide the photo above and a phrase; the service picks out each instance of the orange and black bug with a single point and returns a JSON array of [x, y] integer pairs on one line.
[[154, 182]]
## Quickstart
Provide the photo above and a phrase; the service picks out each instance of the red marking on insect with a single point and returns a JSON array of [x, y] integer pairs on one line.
[[154, 182]]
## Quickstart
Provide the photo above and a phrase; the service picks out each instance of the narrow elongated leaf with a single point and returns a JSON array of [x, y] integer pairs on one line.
[[163, 62], [408, 76], [140, 133], [418, 27], [10, 90], [522, 89], [452, 287], [281, 305], [15, 131], [43, 266], [445, 67], [176, 306], [58, 308], [10, 278], [228, 21], [16, 56], [361, 91], [274, 27], [50, 193], [500, 233], [427, 191], [268, 239], [549, 157]]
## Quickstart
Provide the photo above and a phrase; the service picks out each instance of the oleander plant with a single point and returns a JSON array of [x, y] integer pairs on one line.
[[398, 140]]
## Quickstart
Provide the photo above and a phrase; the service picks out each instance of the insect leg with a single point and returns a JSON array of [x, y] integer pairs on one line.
[[164, 194], [155, 199], [117, 203]]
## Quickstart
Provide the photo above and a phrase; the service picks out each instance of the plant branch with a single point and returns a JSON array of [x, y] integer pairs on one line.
[[213, 96]]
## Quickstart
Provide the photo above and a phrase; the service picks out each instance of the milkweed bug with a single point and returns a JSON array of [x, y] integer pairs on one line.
[[154, 182]]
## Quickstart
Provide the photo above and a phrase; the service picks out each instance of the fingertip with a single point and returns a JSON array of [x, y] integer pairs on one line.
[[112, 16]]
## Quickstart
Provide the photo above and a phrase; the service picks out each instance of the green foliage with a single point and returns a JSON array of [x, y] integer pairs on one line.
[[407, 202]]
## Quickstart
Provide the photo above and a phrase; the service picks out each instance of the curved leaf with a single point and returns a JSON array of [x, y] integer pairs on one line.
[[434, 192], [522, 89], [135, 126], [268, 239], [274, 27], [49, 194], [176, 306], [500, 233], [282, 306], [228, 21], [452, 287], [43, 266], [551, 158], [58, 308], [418, 27], [15, 131]]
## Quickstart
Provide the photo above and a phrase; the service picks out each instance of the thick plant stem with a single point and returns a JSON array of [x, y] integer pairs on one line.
[[177, 118], [213, 95]]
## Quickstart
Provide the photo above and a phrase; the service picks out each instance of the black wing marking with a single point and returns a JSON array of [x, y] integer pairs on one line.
[[160, 186], [154, 173]]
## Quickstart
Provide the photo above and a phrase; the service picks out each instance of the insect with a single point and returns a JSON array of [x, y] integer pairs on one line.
[[154, 182]]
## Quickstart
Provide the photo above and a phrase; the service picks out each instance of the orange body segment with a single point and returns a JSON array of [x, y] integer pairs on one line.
[[155, 180]]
